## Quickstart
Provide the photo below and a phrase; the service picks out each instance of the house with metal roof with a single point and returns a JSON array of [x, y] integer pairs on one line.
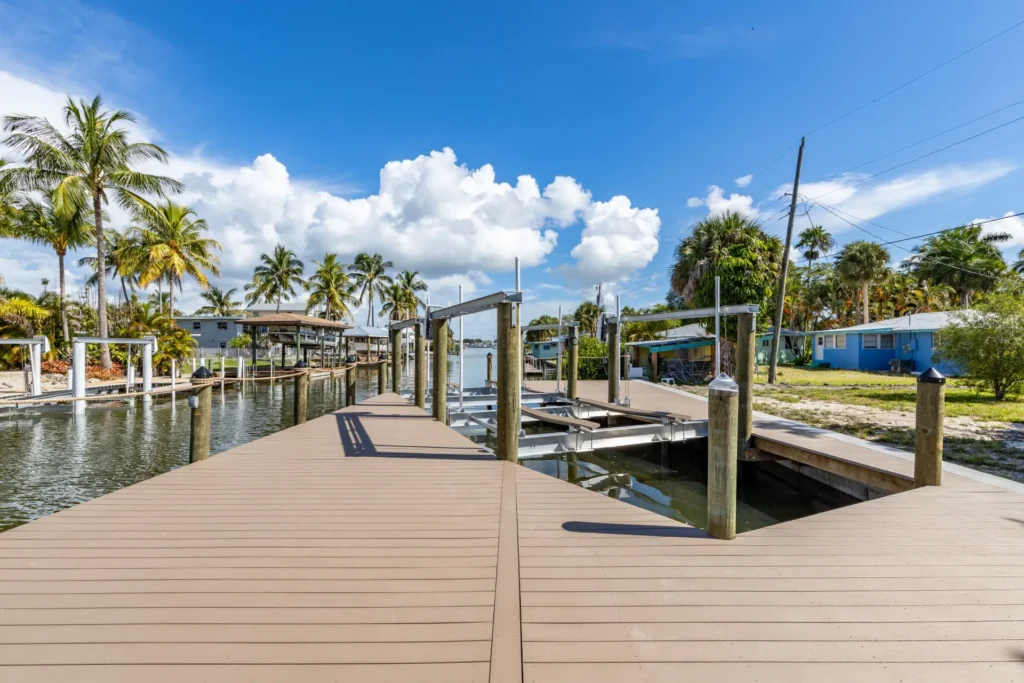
[[904, 344]]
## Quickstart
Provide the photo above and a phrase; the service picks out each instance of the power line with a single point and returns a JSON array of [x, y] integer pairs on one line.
[[894, 90], [931, 137], [923, 156], [915, 79], [897, 244]]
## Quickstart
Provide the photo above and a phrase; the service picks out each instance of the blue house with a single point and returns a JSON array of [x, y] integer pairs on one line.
[[899, 344]]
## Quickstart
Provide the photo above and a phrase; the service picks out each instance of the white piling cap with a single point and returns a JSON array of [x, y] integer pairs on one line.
[[724, 384]]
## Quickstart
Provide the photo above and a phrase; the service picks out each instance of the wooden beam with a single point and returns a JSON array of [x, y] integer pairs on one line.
[[865, 474]]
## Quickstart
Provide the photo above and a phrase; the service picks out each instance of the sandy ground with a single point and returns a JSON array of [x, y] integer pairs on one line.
[[13, 382], [1011, 433]]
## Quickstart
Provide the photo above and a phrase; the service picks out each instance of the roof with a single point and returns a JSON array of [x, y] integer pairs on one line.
[[684, 332], [917, 322], [360, 331], [235, 318], [285, 307], [292, 320]]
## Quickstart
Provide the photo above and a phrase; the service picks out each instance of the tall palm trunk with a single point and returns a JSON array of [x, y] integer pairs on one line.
[[867, 312], [101, 278], [63, 304], [170, 298], [965, 299]]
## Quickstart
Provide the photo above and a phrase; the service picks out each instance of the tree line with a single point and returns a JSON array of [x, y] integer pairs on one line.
[[59, 197]]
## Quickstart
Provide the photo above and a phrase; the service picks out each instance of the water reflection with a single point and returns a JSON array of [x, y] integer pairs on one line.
[[672, 482], [53, 460]]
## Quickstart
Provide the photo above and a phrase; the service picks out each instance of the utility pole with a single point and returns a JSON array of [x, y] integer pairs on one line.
[[773, 361]]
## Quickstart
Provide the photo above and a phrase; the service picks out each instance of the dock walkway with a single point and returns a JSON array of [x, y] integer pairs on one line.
[[377, 545]]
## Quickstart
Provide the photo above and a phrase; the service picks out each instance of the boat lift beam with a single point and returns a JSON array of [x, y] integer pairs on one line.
[[484, 303], [37, 346], [684, 315], [149, 347]]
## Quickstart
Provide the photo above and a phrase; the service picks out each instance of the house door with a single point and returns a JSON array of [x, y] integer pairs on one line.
[[819, 349]]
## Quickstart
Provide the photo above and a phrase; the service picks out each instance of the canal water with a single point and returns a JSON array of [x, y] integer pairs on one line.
[[50, 461]]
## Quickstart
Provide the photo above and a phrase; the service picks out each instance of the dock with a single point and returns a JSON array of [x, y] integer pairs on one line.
[[377, 545]]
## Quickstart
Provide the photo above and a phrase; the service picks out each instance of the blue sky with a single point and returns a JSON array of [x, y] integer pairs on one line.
[[281, 117]]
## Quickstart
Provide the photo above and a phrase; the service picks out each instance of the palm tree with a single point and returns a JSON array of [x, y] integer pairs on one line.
[[816, 242], [410, 282], [397, 302], [19, 312], [219, 302], [330, 288], [962, 258], [370, 274], [734, 248], [586, 315], [171, 245], [277, 276], [861, 263], [37, 222], [119, 250], [85, 167], [8, 210]]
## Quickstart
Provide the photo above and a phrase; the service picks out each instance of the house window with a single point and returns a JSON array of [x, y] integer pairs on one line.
[[886, 341], [197, 325], [222, 326], [840, 341], [870, 341], [830, 341]]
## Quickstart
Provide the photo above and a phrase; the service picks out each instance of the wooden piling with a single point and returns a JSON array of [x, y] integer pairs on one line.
[[201, 399], [350, 386], [420, 379], [396, 360], [613, 362], [440, 376], [573, 370], [382, 377], [723, 410], [931, 410], [490, 368], [745, 357], [507, 446], [301, 396]]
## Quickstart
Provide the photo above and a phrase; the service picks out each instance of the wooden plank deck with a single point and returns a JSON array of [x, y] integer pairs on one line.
[[375, 544]]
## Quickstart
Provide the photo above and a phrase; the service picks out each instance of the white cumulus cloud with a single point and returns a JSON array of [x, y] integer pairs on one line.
[[717, 203], [618, 239], [744, 180], [1010, 224]]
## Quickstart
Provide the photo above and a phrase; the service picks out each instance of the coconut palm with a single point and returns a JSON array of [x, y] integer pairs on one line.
[[37, 222], [815, 242], [962, 258], [8, 210], [410, 282], [117, 263], [860, 264], [219, 302], [171, 245], [397, 302], [370, 274], [84, 168], [277, 276], [330, 289]]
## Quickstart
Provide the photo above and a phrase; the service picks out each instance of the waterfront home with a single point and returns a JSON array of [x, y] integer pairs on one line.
[[904, 344], [547, 349], [211, 332]]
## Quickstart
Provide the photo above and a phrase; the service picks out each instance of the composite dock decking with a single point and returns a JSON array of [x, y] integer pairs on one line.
[[375, 544]]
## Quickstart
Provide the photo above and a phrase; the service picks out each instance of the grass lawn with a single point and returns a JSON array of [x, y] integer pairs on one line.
[[885, 392]]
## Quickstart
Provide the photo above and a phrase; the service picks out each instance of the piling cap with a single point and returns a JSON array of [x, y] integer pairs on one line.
[[931, 376], [301, 364], [724, 384], [202, 376], [490, 355]]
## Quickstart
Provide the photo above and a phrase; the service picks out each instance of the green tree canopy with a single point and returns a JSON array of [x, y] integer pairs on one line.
[[276, 277], [962, 258], [862, 263], [987, 344]]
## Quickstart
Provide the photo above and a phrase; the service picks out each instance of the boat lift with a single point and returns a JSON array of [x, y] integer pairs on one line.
[[149, 347], [37, 346]]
